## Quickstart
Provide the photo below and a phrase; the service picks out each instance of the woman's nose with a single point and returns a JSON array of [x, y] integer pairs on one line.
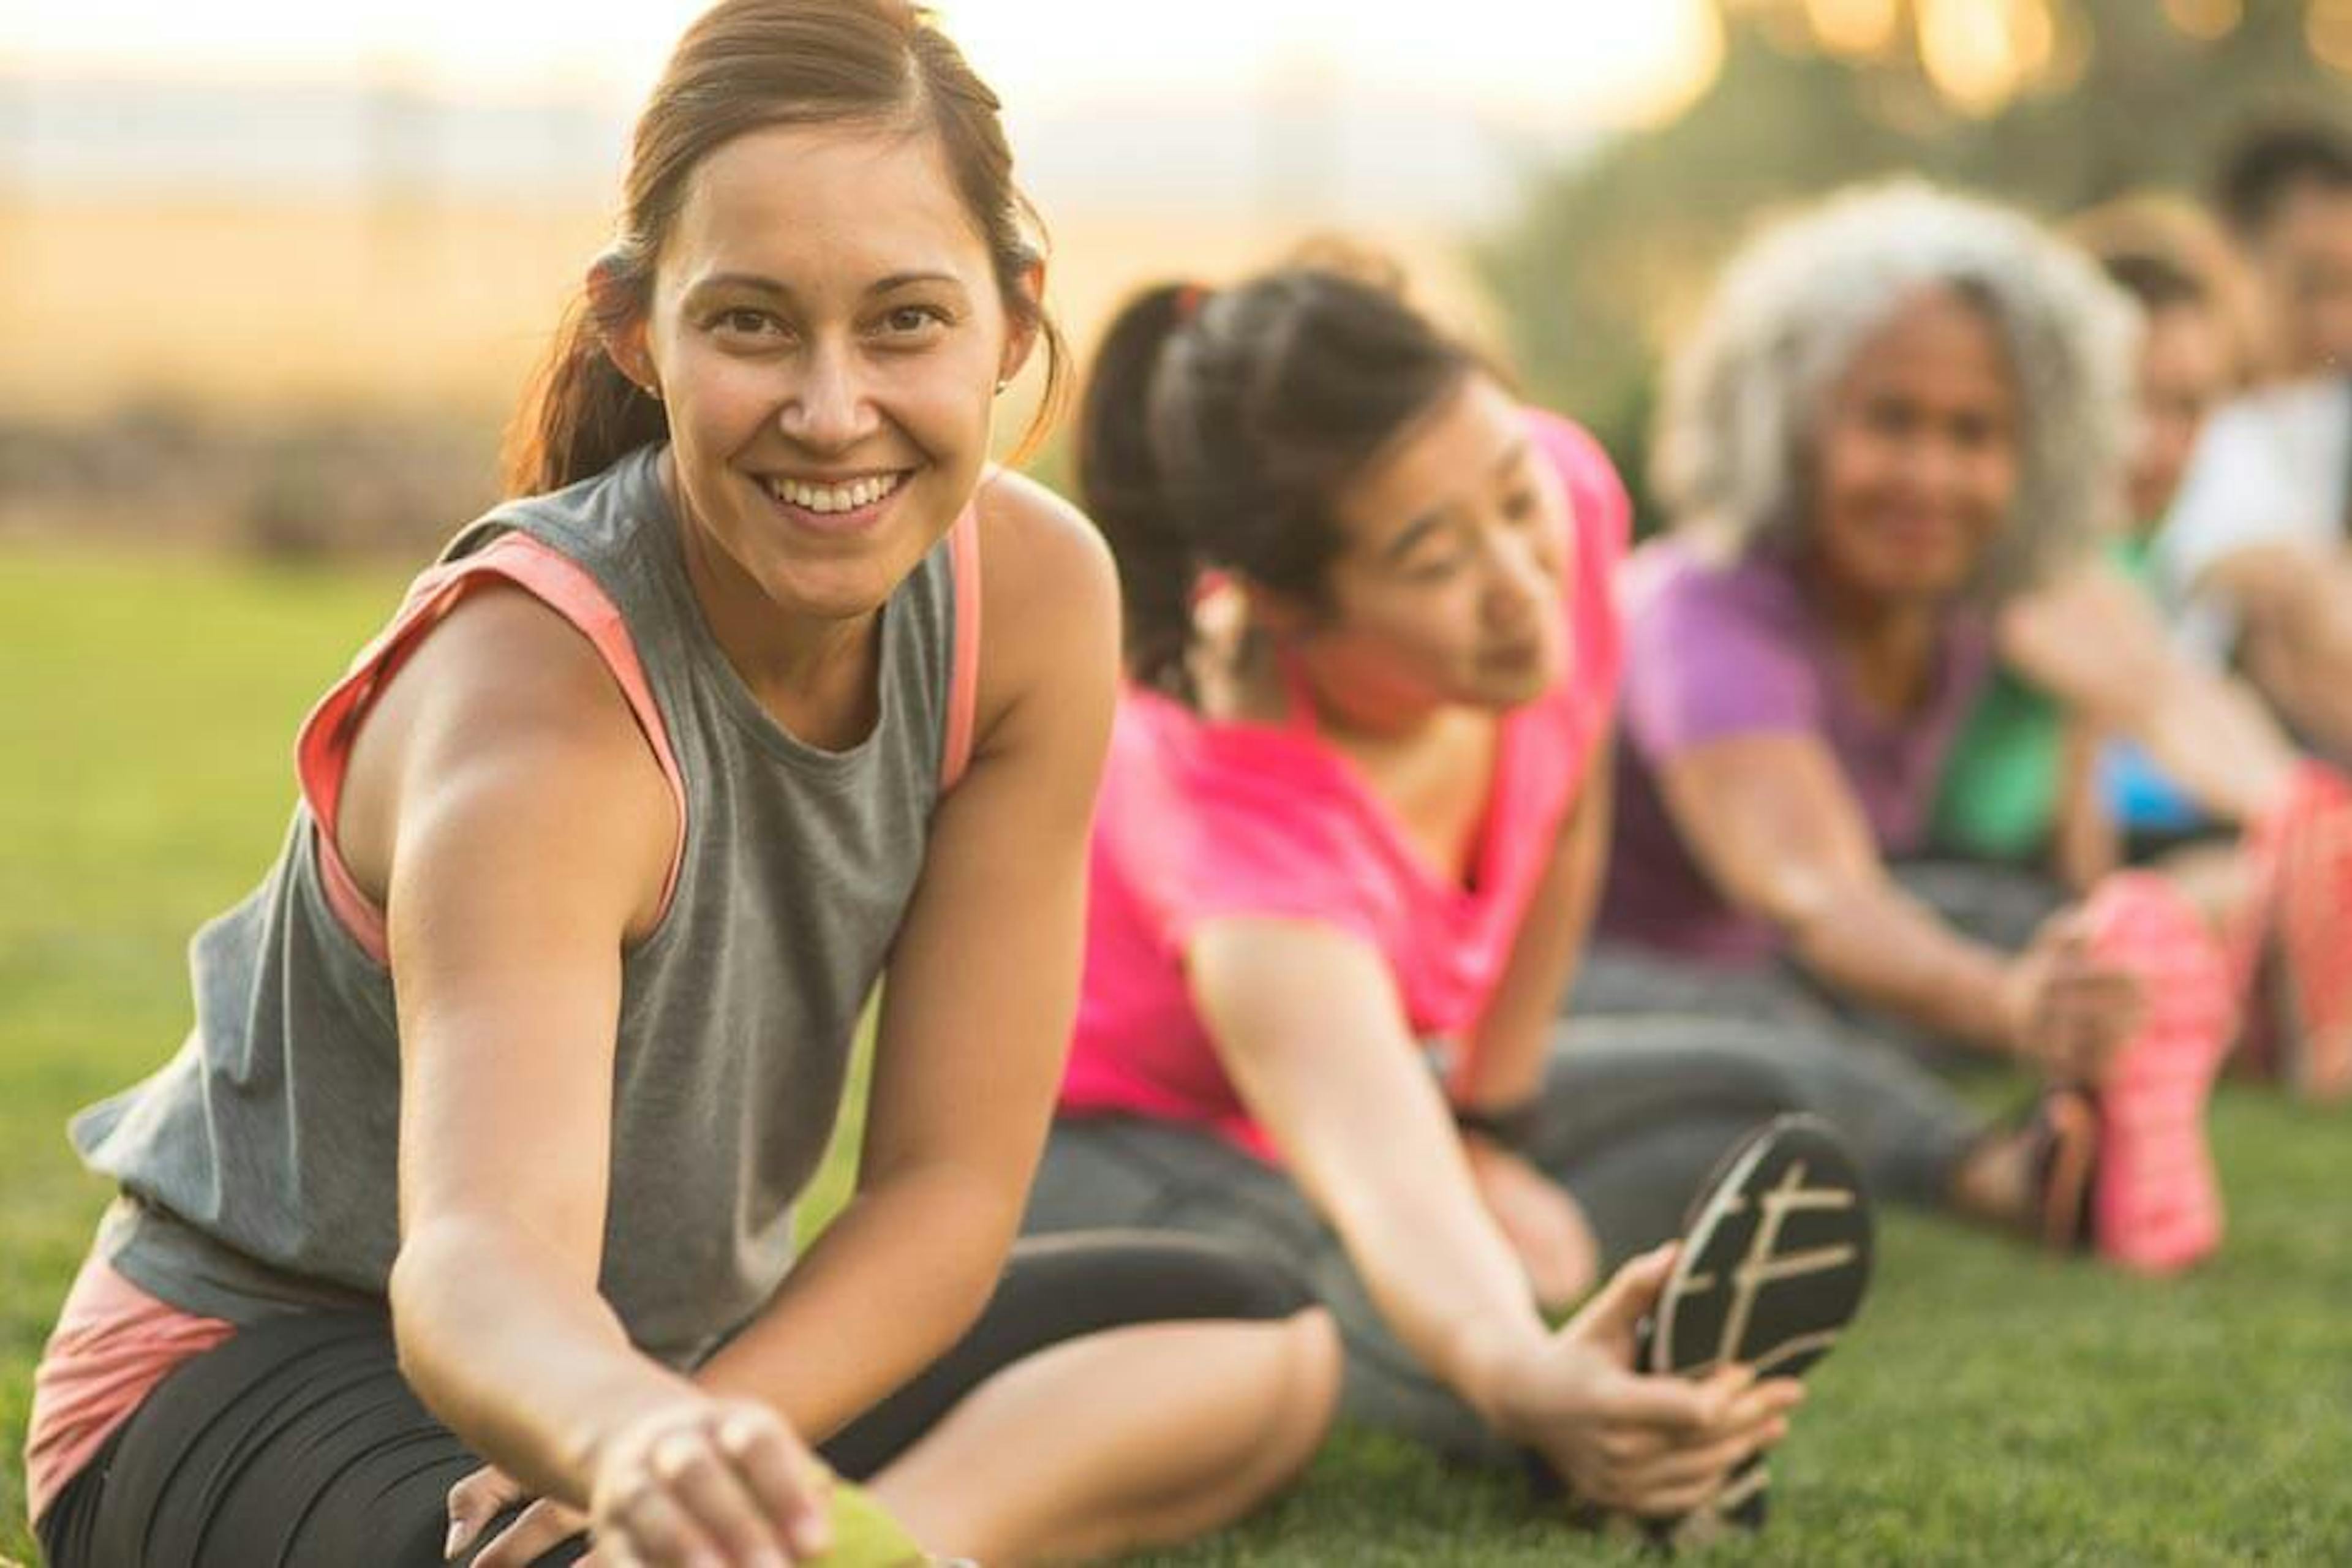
[[827, 407]]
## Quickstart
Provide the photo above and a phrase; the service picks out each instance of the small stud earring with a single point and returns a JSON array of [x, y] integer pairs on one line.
[[1003, 385]]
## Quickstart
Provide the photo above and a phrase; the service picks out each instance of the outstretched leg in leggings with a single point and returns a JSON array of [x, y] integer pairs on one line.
[[1917, 1141], [1117, 1392]]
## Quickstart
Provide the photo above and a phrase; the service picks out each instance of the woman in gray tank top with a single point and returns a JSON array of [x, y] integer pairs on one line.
[[539, 1025]]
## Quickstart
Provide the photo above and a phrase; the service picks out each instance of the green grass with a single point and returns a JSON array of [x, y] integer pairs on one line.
[[1995, 1406]]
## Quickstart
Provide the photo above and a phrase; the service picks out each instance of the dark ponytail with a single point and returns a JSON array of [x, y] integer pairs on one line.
[[579, 415], [1120, 478], [1215, 428]]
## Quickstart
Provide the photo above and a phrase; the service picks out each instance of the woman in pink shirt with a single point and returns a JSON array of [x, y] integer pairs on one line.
[[1343, 860]]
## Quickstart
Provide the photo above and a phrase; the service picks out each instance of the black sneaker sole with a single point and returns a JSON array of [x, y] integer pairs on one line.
[[1776, 1257]]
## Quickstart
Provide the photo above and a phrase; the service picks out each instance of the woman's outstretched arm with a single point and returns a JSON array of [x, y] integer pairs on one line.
[[503, 805], [977, 1009], [1772, 822], [1309, 1025]]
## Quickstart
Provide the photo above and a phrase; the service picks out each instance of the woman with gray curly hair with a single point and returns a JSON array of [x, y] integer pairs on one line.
[[1903, 412]]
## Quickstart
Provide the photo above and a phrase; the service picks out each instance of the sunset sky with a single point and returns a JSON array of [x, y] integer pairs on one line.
[[1563, 64]]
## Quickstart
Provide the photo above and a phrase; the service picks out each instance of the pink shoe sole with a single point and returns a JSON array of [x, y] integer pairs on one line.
[[2311, 925], [2156, 1202]]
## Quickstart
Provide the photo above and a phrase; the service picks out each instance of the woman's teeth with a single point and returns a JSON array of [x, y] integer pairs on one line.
[[835, 497]]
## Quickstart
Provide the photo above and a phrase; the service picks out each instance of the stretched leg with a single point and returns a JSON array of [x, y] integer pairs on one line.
[[1636, 1112], [297, 1440], [2002, 906], [1119, 1390], [1133, 1437], [1755, 1037]]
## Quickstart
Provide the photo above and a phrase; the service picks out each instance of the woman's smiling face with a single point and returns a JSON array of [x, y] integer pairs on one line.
[[1915, 460], [827, 335]]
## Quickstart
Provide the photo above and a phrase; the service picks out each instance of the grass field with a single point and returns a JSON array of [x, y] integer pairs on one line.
[[1995, 1407]]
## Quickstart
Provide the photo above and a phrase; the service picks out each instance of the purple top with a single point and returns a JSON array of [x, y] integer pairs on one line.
[[1716, 650]]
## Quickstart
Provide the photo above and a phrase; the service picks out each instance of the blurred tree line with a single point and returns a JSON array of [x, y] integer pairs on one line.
[[2052, 104]]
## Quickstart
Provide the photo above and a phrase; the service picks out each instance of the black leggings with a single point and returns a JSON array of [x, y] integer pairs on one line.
[[295, 1442]]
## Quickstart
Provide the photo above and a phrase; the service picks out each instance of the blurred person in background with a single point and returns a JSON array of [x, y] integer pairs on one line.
[[1901, 412], [486, 1144], [2255, 545], [1350, 830], [2036, 780], [2284, 192]]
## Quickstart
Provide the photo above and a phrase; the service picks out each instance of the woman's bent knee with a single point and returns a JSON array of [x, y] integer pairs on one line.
[[1314, 1369]]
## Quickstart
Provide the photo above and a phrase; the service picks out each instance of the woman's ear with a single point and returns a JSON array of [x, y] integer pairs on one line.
[[617, 306], [1279, 615], [1021, 339]]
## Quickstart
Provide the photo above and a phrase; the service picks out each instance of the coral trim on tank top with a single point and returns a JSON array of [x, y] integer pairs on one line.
[[322, 750], [963, 665]]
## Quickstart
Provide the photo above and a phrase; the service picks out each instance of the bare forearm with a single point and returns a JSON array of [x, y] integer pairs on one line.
[[515, 1355], [1881, 946], [893, 1282], [1440, 1272]]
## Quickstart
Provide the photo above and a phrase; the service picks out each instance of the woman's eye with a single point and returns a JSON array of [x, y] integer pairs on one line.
[[1435, 568], [909, 320], [745, 323], [1977, 433], [1520, 505]]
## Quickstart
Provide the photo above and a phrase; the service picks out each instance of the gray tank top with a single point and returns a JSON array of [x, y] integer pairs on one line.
[[257, 1167]]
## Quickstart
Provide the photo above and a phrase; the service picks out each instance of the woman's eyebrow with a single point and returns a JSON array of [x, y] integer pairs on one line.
[[905, 279], [754, 283], [744, 282]]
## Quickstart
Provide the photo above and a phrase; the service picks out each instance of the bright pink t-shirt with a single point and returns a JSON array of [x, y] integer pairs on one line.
[[1199, 820]]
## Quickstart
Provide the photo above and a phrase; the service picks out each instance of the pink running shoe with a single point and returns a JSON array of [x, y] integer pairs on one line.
[[2155, 1201], [2304, 863]]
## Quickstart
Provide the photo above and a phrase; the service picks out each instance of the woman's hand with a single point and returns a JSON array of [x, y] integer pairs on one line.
[[2068, 1012], [1540, 1221], [1656, 1447], [699, 1482]]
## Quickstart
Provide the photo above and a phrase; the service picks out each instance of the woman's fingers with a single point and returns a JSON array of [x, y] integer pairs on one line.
[[539, 1528], [698, 1476], [474, 1501], [656, 1528], [787, 1483], [1644, 1467], [1677, 1482], [1688, 1467], [709, 1483]]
